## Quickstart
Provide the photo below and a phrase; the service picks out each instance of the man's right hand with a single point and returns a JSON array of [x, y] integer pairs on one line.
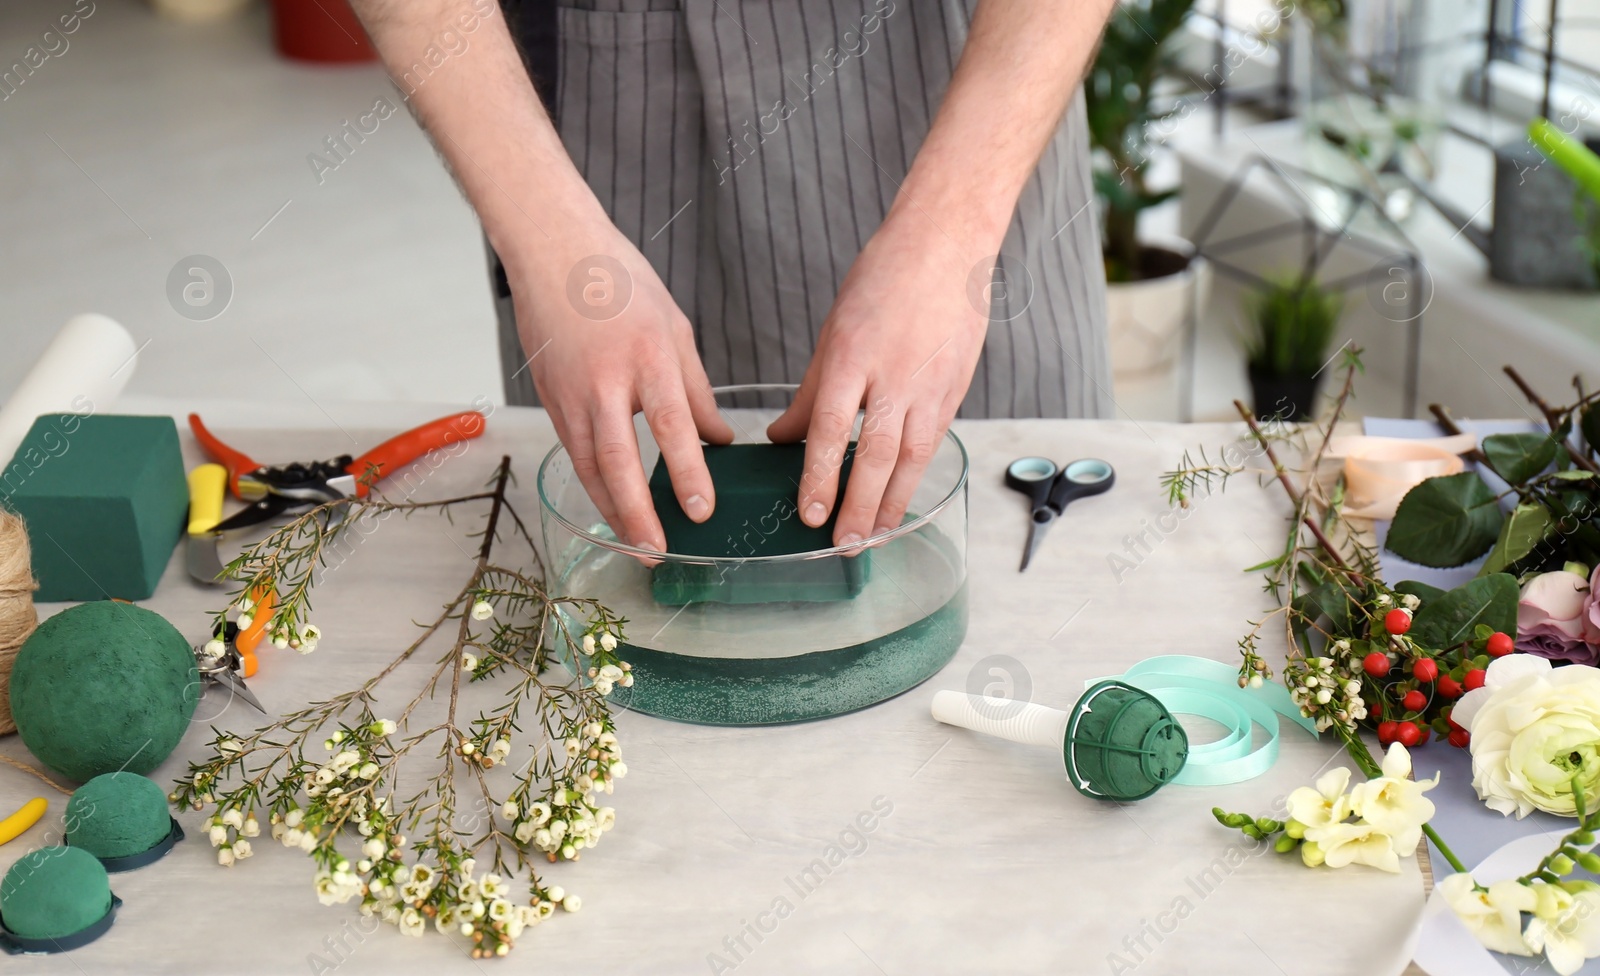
[[604, 337], [606, 340]]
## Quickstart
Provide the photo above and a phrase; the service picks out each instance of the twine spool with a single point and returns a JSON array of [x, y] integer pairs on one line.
[[17, 616]]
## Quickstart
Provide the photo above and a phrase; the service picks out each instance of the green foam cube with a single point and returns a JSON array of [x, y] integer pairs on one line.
[[757, 486], [104, 499]]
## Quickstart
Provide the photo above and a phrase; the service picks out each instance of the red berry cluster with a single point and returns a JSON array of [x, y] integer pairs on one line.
[[1407, 708]]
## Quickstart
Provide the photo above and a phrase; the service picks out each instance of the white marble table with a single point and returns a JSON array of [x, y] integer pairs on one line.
[[986, 860]]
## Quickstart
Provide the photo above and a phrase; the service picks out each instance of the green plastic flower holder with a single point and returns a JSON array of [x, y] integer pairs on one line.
[[1117, 743], [1122, 744]]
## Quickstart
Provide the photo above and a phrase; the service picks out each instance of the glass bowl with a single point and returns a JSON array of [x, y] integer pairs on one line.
[[718, 663]]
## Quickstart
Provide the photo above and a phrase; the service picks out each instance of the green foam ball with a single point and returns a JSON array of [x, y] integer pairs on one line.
[[54, 892], [118, 815], [103, 686]]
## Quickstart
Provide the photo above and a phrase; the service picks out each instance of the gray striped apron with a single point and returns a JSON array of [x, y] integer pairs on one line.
[[749, 148]]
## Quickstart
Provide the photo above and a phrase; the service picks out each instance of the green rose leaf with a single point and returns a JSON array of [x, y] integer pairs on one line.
[[1590, 425], [1326, 599], [1453, 618], [1519, 457], [1445, 521], [1420, 590], [1522, 532]]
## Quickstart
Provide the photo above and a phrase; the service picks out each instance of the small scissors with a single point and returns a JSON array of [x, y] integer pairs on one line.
[[227, 670], [1051, 488]]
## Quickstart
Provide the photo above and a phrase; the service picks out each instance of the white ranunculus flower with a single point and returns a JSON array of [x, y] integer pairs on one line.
[[1343, 844], [1394, 803], [1494, 916], [1566, 927], [1326, 804], [1534, 729]]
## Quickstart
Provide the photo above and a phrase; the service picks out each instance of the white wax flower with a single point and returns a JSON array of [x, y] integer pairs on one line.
[[482, 610], [225, 857], [412, 923], [588, 643], [1534, 729], [469, 662], [232, 818], [608, 641], [572, 903], [218, 835]]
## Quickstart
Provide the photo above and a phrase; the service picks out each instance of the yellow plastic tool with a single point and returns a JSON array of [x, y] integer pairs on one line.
[[207, 484], [13, 826]]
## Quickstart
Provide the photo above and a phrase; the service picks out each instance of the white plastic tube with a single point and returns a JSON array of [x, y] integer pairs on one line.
[[1025, 722], [81, 371]]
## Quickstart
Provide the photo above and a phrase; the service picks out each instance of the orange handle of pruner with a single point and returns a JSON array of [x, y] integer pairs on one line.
[[266, 600], [402, 449]]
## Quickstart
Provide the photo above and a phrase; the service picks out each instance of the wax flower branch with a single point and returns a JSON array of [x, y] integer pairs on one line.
[[328, 777]]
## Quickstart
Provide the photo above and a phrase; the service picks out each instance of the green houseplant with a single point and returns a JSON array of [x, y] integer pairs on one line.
[[1151, 287], [1291, 322]]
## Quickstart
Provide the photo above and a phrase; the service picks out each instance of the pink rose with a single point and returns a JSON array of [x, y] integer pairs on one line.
[[1551, 643], [1591, 610], [1557, 599]]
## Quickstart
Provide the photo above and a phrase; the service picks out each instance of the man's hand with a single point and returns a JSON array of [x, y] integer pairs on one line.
[[902, 339], [604, 337], [607, 341]]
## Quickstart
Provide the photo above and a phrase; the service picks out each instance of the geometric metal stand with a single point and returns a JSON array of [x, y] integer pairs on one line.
[[1402, 284]]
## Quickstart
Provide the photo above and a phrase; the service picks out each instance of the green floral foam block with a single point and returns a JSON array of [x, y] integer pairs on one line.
[[755, 516], [104, 499]]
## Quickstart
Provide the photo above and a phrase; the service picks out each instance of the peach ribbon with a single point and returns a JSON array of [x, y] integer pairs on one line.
[[1378, 471]]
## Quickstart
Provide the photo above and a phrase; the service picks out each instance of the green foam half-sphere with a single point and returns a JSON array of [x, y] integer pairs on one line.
[[118, 815], [54, 892], [103, 686]]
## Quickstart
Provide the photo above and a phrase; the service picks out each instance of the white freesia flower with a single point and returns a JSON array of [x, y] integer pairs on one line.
[[1393, 802], [1534, 729], [1565, 926], [1326, 804], [1343, 844], [1495, 915]]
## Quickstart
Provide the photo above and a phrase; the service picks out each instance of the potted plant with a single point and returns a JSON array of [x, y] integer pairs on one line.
[[1151, 286], [1291, 322]]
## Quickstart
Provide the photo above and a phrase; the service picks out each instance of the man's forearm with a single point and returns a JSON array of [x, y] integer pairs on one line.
[[486, 119], [1021, 65]]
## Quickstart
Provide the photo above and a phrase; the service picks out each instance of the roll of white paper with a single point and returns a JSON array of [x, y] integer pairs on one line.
[[83, 369]]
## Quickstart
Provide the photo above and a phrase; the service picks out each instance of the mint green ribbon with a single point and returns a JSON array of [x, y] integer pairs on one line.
[[1189, 685]]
